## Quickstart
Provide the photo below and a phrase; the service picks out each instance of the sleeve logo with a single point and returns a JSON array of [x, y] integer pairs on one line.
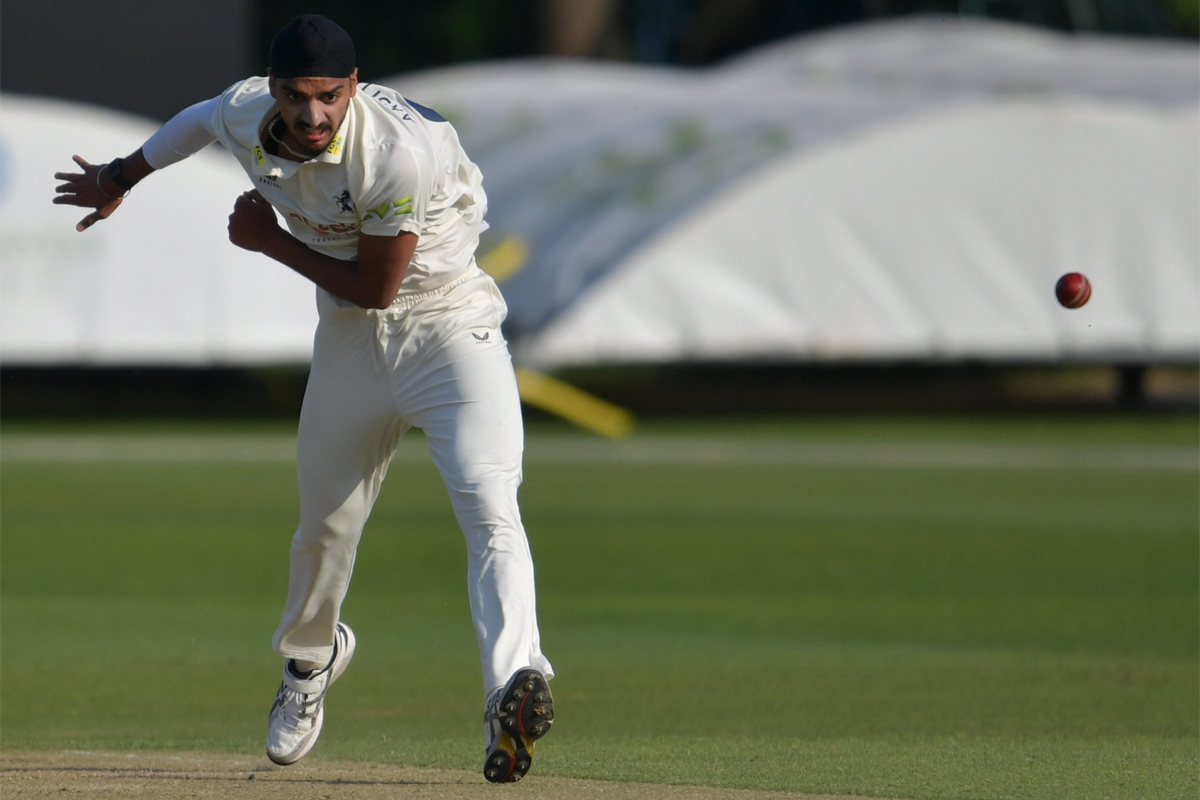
[[394, 208]]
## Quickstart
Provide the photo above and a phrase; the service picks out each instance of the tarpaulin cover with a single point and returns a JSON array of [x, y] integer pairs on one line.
[[898, 191]]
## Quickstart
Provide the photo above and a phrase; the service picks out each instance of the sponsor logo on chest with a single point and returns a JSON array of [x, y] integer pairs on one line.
[[326, 229]]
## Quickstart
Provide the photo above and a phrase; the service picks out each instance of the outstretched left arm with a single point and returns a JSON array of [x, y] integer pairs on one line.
[[104, 186]]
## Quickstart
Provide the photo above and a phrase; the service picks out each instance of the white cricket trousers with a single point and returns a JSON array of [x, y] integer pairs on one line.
[[437, 362]]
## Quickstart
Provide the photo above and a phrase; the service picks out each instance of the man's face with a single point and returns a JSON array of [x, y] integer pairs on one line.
[[313, 108]]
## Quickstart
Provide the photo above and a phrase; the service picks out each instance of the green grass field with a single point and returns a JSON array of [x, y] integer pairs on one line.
[[912, 608]]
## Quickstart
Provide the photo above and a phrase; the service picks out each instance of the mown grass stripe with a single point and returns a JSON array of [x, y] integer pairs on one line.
[[649, 450]]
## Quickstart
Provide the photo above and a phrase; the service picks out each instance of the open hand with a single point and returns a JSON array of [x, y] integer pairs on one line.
[[84, 190], [253, 223]]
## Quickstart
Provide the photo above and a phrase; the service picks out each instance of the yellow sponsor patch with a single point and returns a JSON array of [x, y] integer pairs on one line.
[[259, 158], [335, 146]]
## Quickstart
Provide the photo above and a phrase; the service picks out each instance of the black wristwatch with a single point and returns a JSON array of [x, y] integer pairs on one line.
[[117, 176]]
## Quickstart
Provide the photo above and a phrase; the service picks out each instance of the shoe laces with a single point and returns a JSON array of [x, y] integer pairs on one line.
[[295, 707], [491, 717], [492, 707]]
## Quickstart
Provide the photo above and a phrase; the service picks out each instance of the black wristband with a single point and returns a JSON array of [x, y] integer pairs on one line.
[[117, 176]]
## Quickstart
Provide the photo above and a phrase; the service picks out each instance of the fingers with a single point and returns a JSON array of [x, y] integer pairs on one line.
[[71, 194], [69, 200], [239, 207], [68, 193], [253, 195], [76, 190], [249, 197], [74, 176], [89, 221], [72, 183]]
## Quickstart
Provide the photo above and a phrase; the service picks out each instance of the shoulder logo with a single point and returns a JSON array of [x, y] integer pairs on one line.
[[335, 146], [259, 158], [481, 339]]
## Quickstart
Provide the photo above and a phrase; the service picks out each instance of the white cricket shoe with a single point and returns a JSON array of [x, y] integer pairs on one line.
[[299, 710], [515, 716]]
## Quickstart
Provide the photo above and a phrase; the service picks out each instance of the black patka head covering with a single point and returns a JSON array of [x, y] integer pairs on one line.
[[311, 46]]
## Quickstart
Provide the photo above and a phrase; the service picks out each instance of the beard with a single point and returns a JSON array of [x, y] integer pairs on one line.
[[303, 145]]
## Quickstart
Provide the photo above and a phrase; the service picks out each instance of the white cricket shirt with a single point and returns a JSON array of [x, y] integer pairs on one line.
[[392, 166]]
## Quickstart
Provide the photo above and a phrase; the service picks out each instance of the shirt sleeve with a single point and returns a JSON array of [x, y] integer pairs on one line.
[[397, 194], [188, 132]]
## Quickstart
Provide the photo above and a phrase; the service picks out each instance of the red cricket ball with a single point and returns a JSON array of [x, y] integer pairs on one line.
[[1073, 290]]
